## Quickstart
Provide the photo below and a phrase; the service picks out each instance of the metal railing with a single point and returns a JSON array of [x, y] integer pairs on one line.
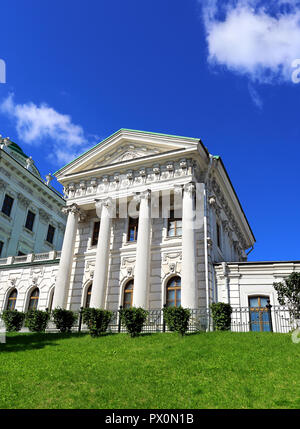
[[262, 319], [243, 319]]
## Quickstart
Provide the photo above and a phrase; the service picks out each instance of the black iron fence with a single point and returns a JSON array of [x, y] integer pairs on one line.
[[262, 319], [243, 319]]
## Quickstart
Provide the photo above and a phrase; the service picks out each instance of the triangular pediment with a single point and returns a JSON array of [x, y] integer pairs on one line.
[[125, 152], [125, 146]]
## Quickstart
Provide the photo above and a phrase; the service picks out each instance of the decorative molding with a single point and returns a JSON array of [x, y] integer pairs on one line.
[[23, 201], [3, 184], [43, 215], [123, 180]]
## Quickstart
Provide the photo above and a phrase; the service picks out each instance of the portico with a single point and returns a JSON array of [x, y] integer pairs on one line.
[[143, 211], [106, 211]]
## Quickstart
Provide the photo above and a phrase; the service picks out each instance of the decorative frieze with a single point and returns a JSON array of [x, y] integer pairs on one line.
[[216, 194], [144, 175]]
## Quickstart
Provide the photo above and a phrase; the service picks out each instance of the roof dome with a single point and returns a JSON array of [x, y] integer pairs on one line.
[[17, 153], [16, 148]]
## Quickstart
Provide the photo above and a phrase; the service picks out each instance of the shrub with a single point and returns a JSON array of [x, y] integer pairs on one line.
[[13, 320], [221, 314], [177, 319], [97, 320], [288, 293], [63, 319], [133, 318], [37, 320], [86, 315]]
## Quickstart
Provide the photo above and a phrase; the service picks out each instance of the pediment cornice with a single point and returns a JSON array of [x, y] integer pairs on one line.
[[126, 146]]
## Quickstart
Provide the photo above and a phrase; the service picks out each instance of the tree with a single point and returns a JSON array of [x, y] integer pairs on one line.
[[288, 293]]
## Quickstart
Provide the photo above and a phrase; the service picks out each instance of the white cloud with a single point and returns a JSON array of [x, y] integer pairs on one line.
[[255, 38], [35, 124]]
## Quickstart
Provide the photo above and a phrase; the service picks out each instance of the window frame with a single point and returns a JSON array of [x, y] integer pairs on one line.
[[47, 236], [128, 292], [260, 310], [218, 233], [95, 233], [33, 299], [133, 224], [174, 219], [32, 220], [176, 288], [10, 208], [87, 300], [12, 299]]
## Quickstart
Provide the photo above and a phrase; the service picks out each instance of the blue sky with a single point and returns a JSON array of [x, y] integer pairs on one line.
[[77, 71]]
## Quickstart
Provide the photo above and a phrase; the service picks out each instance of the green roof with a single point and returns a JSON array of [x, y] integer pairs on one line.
[[16, 148]]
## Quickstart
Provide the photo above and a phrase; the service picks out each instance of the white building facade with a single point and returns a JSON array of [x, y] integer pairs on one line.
[[129, 203], [31, 220], [152, 220]]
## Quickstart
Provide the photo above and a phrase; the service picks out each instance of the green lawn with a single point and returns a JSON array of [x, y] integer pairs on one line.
[[206, 370]]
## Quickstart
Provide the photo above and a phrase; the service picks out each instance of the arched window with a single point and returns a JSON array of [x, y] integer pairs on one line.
[[174, 292], [34, 299], [88, 297], [11, 302], [128, 295]]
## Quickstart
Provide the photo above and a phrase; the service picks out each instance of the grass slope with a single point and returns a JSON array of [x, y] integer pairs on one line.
[[206, 370]]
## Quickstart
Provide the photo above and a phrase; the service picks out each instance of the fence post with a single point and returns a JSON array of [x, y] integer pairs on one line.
[[164, 322], [119, 321], [80, 319], [269, 306]]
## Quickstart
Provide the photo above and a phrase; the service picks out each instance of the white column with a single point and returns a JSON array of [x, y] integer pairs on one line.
[[143, 251], [104, 211], [189, 266], [66, 259]]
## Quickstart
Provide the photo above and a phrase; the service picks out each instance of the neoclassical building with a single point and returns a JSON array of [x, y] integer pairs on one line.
[[152, 220], [31, 220]]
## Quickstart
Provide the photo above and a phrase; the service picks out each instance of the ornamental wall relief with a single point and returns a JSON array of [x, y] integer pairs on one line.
[[171, 263]]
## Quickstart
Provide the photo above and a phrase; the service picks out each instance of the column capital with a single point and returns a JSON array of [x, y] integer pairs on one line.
[[106, 202], [74, 209], [178, 189], [144, 195], [189, 188]]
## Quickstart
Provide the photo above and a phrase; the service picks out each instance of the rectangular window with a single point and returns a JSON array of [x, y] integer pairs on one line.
[[30, 220], [133, 225], [219, 236], [50, 234], [1, 247], [174, 225], [7, 205], [95, 233]]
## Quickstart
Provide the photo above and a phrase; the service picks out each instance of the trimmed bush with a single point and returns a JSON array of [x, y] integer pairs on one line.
[[13, 320], [97, 320], [221, 314], [133, 318], [177, 319], [37, 320], [63, 319]]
